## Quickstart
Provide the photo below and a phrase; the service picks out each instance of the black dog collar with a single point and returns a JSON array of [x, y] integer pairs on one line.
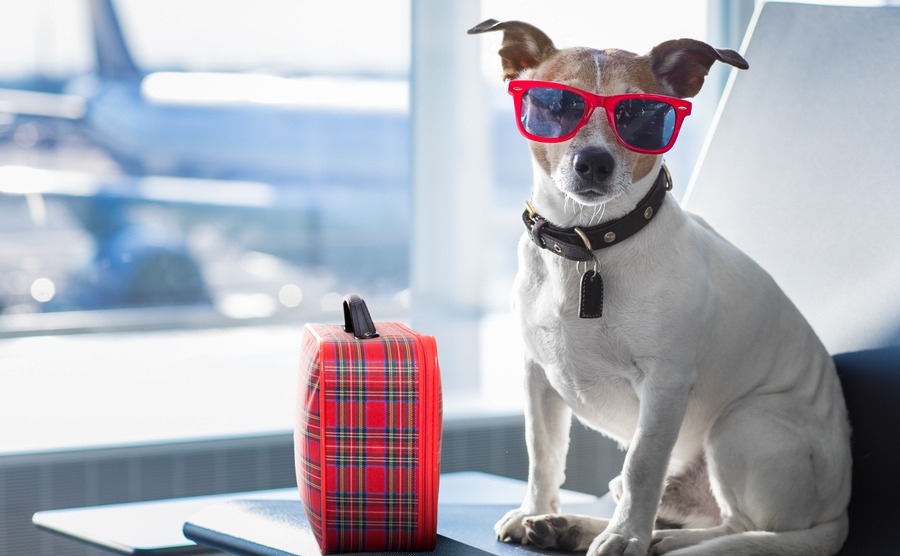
[[577, 243]]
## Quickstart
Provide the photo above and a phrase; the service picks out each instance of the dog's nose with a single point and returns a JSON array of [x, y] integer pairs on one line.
[[593, 164]]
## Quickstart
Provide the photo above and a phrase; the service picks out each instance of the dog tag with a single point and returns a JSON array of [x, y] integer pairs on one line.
[[590, 304]]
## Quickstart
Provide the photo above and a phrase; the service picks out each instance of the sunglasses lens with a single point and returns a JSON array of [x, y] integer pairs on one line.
[[645, 124], [551, 113]]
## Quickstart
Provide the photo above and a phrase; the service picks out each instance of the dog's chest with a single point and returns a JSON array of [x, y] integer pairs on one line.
[[588, 361]]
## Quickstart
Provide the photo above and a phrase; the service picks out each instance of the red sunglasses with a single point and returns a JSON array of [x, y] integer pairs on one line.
[[550, 112]]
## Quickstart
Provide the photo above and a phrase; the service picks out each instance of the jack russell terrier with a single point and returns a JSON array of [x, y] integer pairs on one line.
[[655, 330]]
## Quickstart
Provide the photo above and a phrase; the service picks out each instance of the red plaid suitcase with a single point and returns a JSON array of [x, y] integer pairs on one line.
[[368, 434]]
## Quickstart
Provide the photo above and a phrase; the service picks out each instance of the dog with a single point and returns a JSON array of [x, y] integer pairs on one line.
[[654, 330]]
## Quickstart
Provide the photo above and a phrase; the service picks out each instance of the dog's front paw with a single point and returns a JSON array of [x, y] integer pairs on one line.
[[510, 527], [572, 533], [611, 543]]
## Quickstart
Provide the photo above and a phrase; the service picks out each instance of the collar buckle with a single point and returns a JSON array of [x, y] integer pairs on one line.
[[584, 238], [529, 211], [669, 183]]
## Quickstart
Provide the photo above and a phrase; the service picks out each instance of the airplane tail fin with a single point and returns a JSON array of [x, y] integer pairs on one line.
[[113, 58]]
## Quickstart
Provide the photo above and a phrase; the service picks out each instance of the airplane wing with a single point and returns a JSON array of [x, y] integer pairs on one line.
[[14, 102]]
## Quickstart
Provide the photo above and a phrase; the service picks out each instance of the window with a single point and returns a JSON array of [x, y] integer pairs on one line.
[[216, 164], [212, 157], [209, 165]]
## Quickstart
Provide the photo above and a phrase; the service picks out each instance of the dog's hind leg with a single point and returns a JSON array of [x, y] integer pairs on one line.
[[666, 541], [687, 500], [782, 480], [547, 423], [824, 539]]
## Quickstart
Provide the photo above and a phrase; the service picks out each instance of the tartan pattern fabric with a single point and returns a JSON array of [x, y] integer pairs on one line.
[[308, 433], [360, 440]]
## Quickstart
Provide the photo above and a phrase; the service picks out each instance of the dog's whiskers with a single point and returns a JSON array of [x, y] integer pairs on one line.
[[598, 214]]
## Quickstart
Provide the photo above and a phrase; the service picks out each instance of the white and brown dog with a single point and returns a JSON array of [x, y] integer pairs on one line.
[[656, 331]]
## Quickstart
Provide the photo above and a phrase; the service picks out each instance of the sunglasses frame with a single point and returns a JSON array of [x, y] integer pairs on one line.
[[518, 88]]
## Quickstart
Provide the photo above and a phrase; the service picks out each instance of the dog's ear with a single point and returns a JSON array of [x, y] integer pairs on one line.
[[682, 64], [524, 45]]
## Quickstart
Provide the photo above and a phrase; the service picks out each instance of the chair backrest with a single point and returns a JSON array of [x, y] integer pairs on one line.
[[802, 172]]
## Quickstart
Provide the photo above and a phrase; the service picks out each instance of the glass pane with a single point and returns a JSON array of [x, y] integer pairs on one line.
[[551, 112], [645, 124], [226, 159]]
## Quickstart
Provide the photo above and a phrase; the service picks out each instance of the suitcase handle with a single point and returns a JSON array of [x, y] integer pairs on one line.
[[357, 319]]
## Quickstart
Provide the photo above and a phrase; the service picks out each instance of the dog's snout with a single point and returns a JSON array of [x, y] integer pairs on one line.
[[593, 165]]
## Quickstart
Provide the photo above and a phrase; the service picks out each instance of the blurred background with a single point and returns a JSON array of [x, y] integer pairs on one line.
[[252, 160], [184, 183]]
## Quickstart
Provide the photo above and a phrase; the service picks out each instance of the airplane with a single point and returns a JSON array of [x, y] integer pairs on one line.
[[293, 164], [265, 126]]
